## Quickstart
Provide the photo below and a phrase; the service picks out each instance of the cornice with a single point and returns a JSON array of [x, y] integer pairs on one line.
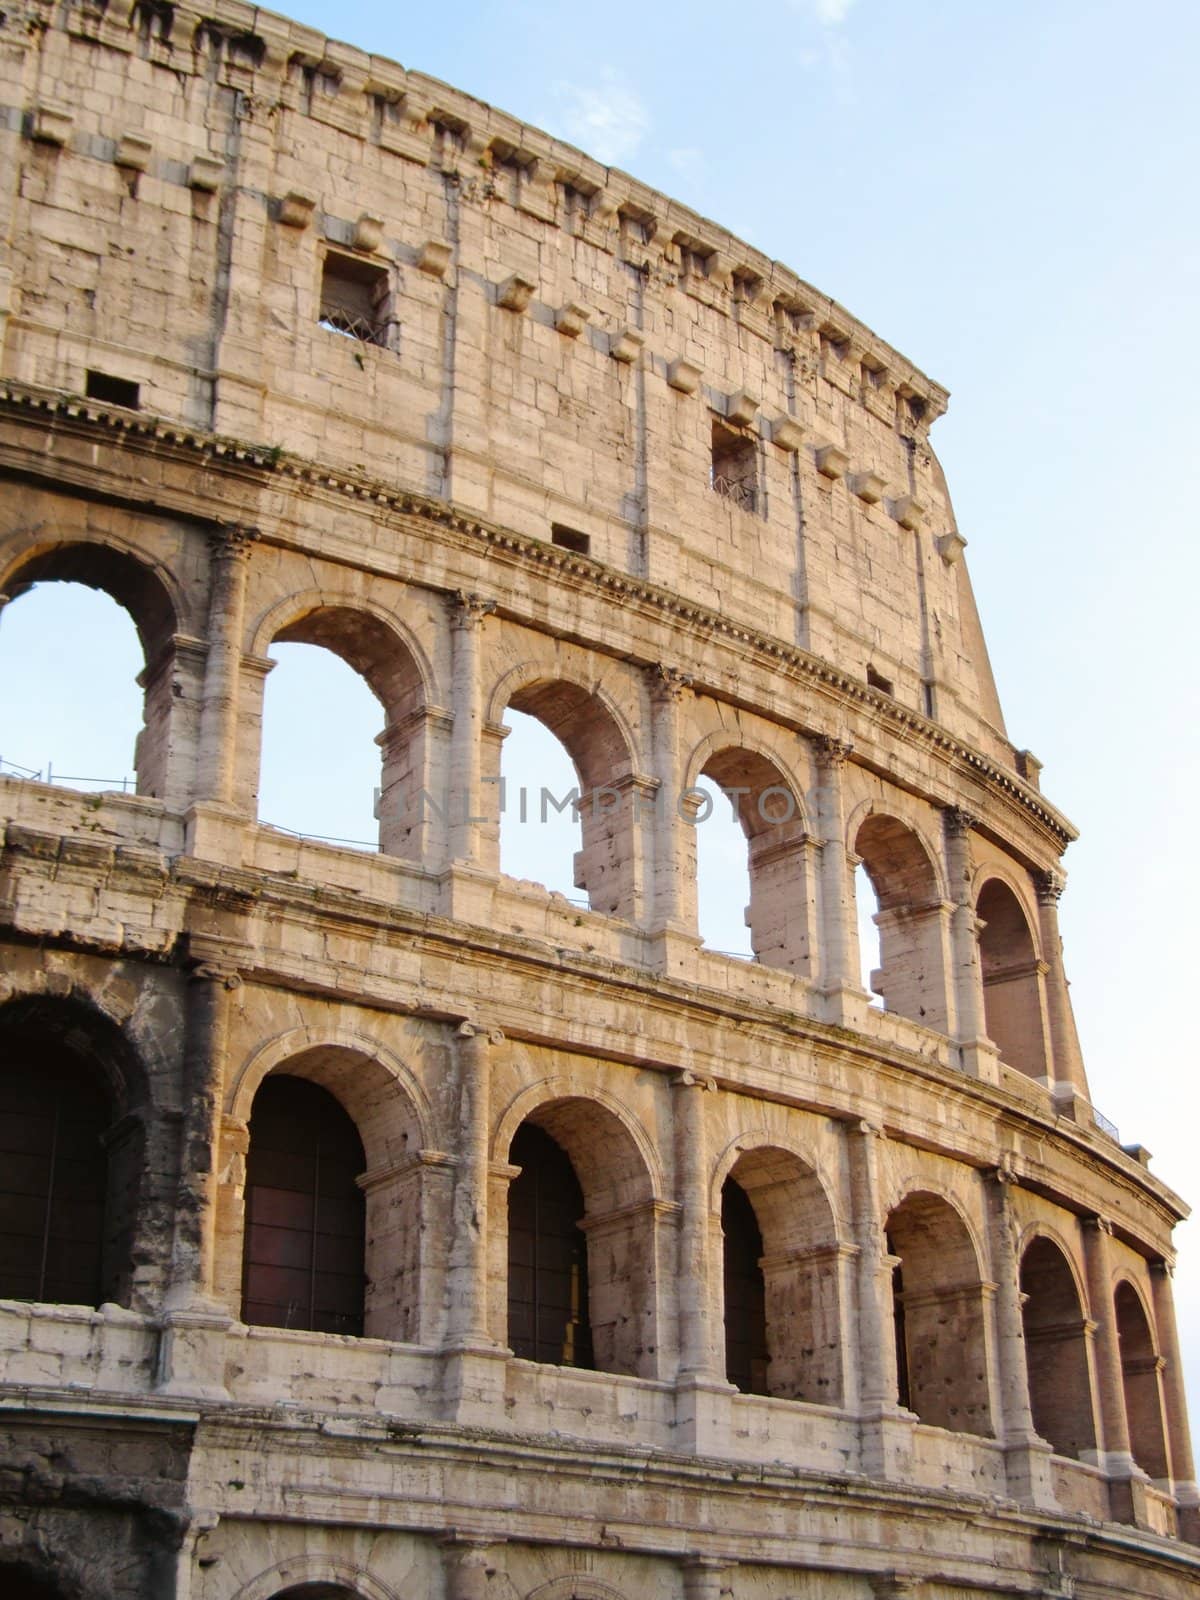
[[272, 465]]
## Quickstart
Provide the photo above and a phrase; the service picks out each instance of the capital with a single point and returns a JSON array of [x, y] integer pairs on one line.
[[1049, 885], [231, 541], [1097, 1225], [471, 609], [832, 751], [228, 977], [959, 821], [669, 683], [687, 1079]]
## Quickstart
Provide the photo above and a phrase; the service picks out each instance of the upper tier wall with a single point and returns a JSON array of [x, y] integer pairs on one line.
[[544, 341]]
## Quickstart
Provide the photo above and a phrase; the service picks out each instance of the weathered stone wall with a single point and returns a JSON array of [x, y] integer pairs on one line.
[[972, 1370]]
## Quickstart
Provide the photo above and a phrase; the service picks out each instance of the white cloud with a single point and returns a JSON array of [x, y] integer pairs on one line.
[[607, 120], [828, 13]]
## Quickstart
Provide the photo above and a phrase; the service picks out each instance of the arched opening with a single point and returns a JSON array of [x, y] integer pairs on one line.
[[91, 634], [782, 1299], [548, 1313], [540, 824], [722, 874], [870, 950], [911, 920], [70, 1173], [326, 769], [1056, 1351], [941, 1355], [17, 1583], [303, 1251], [1012, 983], [746, 1355], [596, 795], [1143, 1388], [317, 1591], [583, 1245], [769, 857]]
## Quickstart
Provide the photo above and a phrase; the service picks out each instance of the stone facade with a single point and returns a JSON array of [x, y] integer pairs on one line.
[[299, 346]]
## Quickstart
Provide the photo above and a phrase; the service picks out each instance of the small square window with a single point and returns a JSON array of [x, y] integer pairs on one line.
[[876, 680], [112, 391], [355, 298], [734, 471], [570, 538]]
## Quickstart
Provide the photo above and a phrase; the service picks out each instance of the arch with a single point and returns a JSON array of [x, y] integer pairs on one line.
[[297, 1572], [1014, 1004], [914, 972], [941, 1353], [388, 660], [619, 1219], [767, 802], [371, 640], [71, 1160], [382, 1094], [575, 1586], [393, 1118], [146, 589], [162, 750], [531, 678], [1056, 1348], [584, 720], [615, 1157], [720, 754], [798, 1268], [303, 1249], [1140, 1377]]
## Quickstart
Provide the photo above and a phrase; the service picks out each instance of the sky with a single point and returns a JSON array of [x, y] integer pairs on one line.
[[1007, 194]]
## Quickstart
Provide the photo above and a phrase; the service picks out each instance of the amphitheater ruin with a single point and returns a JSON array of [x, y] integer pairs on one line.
[[376, 1225]]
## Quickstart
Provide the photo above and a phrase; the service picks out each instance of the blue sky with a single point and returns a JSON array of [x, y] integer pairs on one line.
[[1006, 193]]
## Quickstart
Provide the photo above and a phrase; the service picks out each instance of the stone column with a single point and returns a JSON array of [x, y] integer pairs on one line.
[[468, 1264], [191, 1352], [885, 1429], [672, 897], [466, 742], [702, 1395], [705, 1578], [475, 1362], [1067, 1072], [1097, 1231], [1126, 1486], [468, 880], [837, 929], [469, 1563], [876, 1343], [1026, 1457], [977, 1054], [217, 761], [1179, 1439]]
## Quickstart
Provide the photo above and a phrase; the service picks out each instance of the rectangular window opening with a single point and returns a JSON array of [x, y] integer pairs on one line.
[[112, 391], [734, 470], [355, 298], [570, 538], [876, 680]]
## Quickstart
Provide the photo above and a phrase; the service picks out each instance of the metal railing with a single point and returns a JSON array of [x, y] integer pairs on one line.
[[352, 325], [1105, 1126], [69, 780], [320, 838], [742, 494]]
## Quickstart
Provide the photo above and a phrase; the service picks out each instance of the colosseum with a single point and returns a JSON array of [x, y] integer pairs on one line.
[[377, 1225]]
